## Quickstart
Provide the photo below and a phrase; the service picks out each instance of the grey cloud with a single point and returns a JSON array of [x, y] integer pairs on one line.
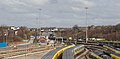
[[58, 13]]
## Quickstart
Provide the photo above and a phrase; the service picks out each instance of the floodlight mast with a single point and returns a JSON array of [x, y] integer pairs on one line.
[[86, 8]]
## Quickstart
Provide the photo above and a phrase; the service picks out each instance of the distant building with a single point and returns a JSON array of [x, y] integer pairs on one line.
[[11, 33], [48, 28], [96, 39], [42, 41], [14, 28]]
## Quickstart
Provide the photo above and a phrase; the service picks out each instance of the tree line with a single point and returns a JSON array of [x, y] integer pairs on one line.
[[110, 32]]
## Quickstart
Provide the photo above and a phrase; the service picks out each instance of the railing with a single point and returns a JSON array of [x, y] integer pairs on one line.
[[114, 56], [112, 49], [94, 56]]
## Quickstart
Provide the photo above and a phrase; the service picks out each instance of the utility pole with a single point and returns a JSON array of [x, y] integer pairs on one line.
[[86, 8]]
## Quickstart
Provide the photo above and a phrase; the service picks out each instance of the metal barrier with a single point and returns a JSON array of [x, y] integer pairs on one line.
[[112, 49], [114, 56], [94, 56]]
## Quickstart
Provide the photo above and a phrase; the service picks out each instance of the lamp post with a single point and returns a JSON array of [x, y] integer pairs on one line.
[[86, 8], [37, 27], [6, 38], [39, 21], [70, 39]]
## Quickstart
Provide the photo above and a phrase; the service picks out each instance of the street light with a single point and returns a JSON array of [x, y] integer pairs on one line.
[[86, 8], [37, 27], [39, 19]]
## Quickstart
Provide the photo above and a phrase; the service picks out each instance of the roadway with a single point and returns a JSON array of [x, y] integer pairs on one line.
[[50, 54], [68, 54]]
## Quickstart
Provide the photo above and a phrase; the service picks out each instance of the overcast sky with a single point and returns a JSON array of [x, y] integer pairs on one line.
[[60, 13]]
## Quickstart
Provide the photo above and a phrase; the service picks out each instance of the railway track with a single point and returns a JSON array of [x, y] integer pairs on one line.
[[85, 55], [77, 52], [18, 52], [102, 52]]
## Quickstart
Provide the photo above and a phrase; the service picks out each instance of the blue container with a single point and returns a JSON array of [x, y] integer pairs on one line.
[[3, 44]]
